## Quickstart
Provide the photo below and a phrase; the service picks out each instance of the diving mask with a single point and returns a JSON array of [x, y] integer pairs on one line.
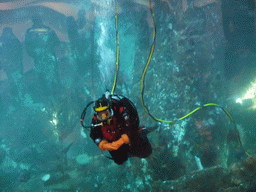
[[104, 115]]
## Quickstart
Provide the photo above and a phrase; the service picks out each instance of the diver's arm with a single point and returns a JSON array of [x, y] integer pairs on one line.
[[1, 56], [55, 39], [20, 56], [115, 145], [29, 44], [98, 138], [129, 126], [96, 134]]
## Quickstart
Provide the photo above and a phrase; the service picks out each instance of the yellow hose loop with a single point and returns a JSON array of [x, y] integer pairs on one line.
[[146, 67], [201, 107], [117, 50]]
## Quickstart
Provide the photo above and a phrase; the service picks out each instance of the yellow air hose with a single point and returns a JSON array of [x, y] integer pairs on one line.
[[181, 118]]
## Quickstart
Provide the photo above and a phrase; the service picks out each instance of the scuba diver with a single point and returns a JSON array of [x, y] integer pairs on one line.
[[40, 44], [11, 52], [115, 128], [40, 39], [77, 36], [239, 31], [11, 61]]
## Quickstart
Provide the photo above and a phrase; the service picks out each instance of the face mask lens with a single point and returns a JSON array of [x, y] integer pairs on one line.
[[103, 115]]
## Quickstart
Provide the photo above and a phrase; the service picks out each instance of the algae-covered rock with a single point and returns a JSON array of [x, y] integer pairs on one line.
[[83, 159], [239, 177]]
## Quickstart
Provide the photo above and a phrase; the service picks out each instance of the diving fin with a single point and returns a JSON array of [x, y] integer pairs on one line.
[[147, 130]]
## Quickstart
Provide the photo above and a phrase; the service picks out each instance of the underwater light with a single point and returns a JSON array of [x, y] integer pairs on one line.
[[249, 99], [239, 100], [46, 177], [251, 93], [54, 121]]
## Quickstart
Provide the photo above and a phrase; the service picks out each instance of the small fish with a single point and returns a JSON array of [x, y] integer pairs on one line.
[[202, 3], [2, 155], [66, 149], [40, 30], [24, 176]]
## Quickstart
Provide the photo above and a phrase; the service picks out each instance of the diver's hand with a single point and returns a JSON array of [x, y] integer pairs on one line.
[[123, 140], [105, 146]]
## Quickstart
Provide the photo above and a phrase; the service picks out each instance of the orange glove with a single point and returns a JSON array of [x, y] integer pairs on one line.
[[123, 140], [105, 146]]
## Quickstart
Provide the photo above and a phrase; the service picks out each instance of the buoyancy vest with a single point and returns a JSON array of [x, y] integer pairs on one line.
[[130, 109], [111, 130]]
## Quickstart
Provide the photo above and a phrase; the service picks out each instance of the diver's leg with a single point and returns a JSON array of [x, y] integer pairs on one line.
[[121, 155], [144, 149], [147, 130]]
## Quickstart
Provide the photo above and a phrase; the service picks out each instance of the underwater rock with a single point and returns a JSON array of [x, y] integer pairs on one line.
[[203, 180], [24, 176], [83, 159], [56, 179], [239, 177]]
